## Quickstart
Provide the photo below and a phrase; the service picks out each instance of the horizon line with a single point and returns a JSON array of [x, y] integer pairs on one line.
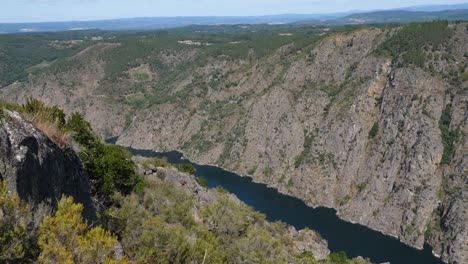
[[349, 12]]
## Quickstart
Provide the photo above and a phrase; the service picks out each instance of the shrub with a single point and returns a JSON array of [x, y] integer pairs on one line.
[[110, 168], [202, 181], [81, 131], [338, 258], [118, 165], [362, 186], [16, 244], [374, 130], [186, 168], [464, 76], [2, 115], [252, 170], [308, 140], [140, 186], [448, 137], [64, 238]]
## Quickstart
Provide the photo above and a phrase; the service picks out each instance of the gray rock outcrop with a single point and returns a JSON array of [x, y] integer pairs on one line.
[[38, 169]]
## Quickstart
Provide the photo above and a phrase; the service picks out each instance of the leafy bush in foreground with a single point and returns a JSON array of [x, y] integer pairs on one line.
[[110, 167], [16, 243], [64, 238]]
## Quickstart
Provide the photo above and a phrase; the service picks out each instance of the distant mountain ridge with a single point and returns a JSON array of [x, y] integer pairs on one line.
[[394, 16], [435, 8], [401, 15]]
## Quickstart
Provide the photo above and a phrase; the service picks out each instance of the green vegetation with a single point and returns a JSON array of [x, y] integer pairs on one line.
[[65, 238], [16, 243], [231, 232], [362, 186], [141, 76], [50, 120], [202, 181], [374, 130], [268, 171], [449, 137], [308, 140], [428, 232], [2, 115], [153, 220], [186, 168], [110, 167], [464, 76], [252, 170], [406, 45], [139, 54], [61, 238], [42, 112], [20, 52], [236, 135], [290, 183], [165, 237], [344, 200], [156, 162]]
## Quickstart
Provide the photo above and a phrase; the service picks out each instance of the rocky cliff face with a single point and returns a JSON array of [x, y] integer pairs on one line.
[[38, 169], [332, 123]]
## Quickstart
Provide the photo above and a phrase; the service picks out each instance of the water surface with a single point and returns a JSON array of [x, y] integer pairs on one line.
[[355, 240]]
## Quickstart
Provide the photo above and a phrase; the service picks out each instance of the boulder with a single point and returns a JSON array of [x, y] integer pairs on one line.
[[40, 170]]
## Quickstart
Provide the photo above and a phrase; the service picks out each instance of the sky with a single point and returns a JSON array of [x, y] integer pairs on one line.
[[14, 11]]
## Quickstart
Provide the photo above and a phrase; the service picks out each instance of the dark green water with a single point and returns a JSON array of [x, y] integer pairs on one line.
[[355, 240]]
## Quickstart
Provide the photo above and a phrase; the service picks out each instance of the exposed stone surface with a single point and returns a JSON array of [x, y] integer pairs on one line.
[[38, 169], [258, 116]]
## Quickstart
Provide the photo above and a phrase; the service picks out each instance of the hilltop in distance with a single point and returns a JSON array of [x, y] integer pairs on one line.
[[401, 15]]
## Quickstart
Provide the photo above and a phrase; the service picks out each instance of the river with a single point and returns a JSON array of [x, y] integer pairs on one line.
[[355, 240]]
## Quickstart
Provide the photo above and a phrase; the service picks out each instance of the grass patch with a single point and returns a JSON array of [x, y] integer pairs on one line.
[[50, 120], [156, 162], [141, 73]]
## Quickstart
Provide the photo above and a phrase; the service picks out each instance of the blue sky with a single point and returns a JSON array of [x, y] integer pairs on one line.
[[12, 11]]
